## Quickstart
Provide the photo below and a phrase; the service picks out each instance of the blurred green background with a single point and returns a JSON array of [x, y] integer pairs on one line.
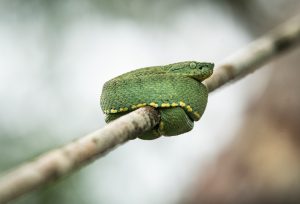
[[56, 55]]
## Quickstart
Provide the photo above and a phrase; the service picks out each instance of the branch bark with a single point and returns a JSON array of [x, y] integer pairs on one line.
[[256, 54], [62, 161]]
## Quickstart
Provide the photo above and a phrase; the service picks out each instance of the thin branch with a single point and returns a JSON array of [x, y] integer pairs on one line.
[[256, 54], [62, 161]]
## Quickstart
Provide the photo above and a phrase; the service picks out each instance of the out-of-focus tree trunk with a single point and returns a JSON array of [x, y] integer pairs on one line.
[[262, 165]]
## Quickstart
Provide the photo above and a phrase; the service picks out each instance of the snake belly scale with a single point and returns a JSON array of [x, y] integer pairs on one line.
[[175, 90]]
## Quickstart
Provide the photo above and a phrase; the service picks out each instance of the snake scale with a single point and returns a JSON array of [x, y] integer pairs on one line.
[[174, 89]]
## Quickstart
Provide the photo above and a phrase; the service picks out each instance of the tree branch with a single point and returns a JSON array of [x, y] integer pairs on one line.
[[256, 54], [62, 161]]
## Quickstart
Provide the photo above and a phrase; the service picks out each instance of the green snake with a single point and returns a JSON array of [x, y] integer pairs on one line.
[[175, 90]]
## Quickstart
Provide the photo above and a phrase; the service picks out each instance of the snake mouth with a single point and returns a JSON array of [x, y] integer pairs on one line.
[[210, 72]]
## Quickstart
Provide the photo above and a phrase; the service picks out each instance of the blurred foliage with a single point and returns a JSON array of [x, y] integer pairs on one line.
[[131, 8]]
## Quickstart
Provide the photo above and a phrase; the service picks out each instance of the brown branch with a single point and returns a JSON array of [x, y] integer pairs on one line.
[[62, 161], [256, 54]]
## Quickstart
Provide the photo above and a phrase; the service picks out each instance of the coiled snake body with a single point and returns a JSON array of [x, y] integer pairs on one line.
[[175, 90]]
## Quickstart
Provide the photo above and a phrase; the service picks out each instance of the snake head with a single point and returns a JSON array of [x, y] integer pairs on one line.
[[196, 70]]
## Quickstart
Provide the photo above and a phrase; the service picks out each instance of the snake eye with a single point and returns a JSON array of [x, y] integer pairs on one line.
[[193, 65]]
